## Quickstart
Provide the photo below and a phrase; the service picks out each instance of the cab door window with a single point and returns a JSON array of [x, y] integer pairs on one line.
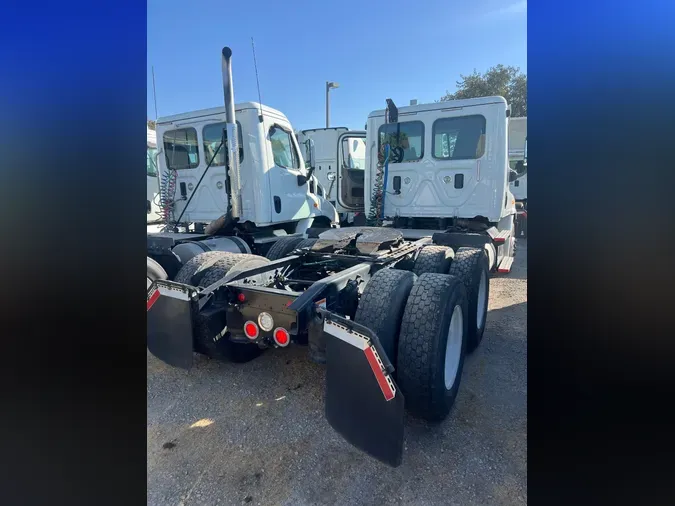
[[283, 149], [181, 149]]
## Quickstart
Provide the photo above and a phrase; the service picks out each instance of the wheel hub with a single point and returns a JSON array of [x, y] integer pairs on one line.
[[453, 347]]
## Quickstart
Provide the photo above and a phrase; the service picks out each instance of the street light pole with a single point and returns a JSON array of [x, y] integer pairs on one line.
[[329, 86]]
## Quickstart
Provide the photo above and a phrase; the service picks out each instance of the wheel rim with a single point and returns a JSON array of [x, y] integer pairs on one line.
[[453, 347], [482, 300]]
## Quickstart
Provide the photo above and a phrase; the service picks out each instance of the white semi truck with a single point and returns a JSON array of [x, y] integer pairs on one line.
[[436, 168], [327, 142], [518, 164], [231, 185]]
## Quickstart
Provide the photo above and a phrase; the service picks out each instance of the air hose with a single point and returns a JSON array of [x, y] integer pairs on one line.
[[167, 193], [386, 173]]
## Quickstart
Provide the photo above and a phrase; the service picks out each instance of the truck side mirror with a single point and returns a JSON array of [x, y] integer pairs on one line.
[[518, 171], [302, 180], [312, 154]]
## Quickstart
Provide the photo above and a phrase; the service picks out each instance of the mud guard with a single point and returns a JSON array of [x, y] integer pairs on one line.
[[169, 322], [363, 403]]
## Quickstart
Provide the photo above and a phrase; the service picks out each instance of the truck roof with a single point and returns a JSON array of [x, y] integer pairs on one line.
[[450, 104], [217, 111], [320, 129]]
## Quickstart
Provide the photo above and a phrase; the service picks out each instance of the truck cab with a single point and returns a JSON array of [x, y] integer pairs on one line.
[[340, 167], [446, 161], [273, 186]]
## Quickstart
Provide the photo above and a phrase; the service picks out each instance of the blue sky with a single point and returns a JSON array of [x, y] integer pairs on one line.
[[373, 49]]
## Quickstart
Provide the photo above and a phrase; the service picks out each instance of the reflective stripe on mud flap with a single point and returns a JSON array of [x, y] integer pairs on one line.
[[363, 343], [155, 292]]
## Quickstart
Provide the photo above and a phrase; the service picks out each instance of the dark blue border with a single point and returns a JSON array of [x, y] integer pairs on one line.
[[73, 109], [601, 123]]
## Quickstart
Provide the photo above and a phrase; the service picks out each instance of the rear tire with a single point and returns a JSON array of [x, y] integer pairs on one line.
[[154, 272], [306, 243], [430, 370], [202, 271], [197, 264], [382, 304], [434, 259], [471, 266], [229, 265], [223, 348], [283, 247]]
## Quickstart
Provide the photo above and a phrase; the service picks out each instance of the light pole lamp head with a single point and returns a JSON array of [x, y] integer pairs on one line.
[[331, 84]]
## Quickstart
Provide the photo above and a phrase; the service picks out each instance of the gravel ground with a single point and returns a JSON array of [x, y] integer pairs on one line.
[[255, 433]]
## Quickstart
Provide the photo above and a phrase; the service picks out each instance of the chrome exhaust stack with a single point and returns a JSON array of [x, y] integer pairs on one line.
[[232, 134]]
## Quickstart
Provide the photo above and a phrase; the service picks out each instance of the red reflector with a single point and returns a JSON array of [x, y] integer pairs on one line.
[[241, 297], [251, 330], [379, 375], [281, 337], [153, 298]]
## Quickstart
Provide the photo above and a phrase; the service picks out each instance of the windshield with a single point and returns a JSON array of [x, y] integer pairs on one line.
[[151, 157]]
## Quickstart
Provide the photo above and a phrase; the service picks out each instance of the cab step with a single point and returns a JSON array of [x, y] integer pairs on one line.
[[505, 265], [497, 236]]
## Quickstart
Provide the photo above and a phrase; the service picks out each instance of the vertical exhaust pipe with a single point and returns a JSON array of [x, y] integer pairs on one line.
[[232, 135], [233, 187], [228, 88]]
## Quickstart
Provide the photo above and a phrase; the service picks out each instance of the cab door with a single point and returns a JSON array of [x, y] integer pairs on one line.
[[289, 198], [351, 147]]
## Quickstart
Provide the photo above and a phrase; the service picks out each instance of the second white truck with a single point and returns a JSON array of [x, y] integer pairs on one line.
[[518, 165], [448, 168], [347, 195]]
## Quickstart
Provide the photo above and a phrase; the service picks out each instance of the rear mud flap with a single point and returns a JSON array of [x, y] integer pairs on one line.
[[363, 403], [169, 322]]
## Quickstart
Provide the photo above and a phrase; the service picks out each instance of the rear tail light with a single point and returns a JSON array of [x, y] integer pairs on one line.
[[251, 330], [281, 337], [241, 297]]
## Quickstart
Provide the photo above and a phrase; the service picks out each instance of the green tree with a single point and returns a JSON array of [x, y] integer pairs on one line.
[[151, 124], [502, 80]]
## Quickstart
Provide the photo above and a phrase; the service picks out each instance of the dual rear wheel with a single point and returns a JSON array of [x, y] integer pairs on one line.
[[427, 323]]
